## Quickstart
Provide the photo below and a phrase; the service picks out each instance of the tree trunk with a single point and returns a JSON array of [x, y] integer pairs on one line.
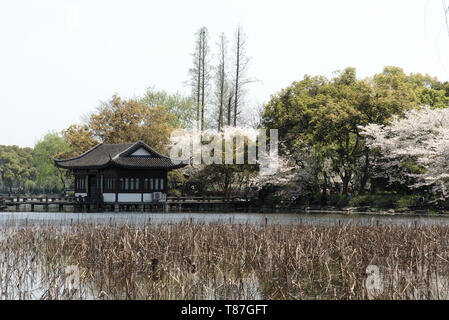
[[226, 183], [203, 84], [345, 181], [372, 189], [198, 94], [220, 112], [324, 188], [237, 69], [61, 177], [229, 109], [365, 172], [222, 79]]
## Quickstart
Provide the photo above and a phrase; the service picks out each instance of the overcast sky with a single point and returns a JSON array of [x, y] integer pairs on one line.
[[59, 58]]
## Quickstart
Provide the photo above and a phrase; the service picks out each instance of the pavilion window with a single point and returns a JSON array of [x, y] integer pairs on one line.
[[156, 184], [162, 184], [122, 186], [108, 184], [126, 184], [80, 184], [131, 184], [151, 184], [145, 185], [137, 184]]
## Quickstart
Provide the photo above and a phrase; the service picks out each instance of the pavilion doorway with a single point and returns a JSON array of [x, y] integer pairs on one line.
[[93, 188]]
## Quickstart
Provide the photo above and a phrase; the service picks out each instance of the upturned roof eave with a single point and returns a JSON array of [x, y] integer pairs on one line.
[[80, 156], [75, 167]]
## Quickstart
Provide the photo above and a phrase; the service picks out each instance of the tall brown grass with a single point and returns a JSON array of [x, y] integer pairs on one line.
[[224, 261]]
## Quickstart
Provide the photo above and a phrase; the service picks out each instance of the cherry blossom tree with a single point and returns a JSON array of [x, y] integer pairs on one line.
[[414, 149]]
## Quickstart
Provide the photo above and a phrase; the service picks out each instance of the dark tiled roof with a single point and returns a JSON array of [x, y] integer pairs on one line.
[[104, 155], [143, 162]]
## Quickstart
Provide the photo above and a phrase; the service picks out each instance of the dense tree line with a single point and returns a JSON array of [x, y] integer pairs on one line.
[[321, 122], [333, 131], [217, 100]]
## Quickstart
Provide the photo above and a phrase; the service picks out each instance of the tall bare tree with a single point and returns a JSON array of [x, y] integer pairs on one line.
[[221, 82], [240, 69], [200, 74], [195, 73]]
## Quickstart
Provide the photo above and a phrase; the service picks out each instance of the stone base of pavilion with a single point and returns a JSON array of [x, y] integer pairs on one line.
[[121, 207]]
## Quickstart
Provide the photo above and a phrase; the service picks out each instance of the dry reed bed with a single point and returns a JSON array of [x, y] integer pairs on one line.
[[220, 261]]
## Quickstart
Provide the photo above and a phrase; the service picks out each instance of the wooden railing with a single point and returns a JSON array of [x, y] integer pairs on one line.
[[71, 199], [36, 199], [31, 202], [206, 199]]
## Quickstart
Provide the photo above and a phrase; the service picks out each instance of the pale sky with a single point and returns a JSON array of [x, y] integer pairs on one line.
[[59, 59]]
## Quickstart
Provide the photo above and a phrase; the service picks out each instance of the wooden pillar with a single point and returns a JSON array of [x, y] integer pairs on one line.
[[99, 189]]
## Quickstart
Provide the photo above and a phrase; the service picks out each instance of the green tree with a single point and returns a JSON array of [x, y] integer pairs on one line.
[[121, 121], [182, 107], [48, 176], [325, 115], [16, 167], [79, 138]]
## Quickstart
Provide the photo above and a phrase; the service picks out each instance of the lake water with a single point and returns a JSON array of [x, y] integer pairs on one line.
[[138, 218]]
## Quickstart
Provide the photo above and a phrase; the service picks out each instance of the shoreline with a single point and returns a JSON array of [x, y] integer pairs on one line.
[[265, 210], [368, 212]]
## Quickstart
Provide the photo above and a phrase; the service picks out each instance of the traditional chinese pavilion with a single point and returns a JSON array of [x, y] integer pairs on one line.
[[128, 173]]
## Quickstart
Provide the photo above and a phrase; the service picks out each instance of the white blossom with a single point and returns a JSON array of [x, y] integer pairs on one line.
[[421, 136]]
